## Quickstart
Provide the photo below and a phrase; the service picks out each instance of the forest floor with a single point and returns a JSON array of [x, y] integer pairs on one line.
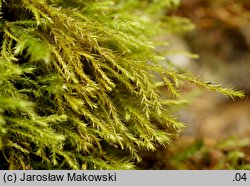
[[217, 134]]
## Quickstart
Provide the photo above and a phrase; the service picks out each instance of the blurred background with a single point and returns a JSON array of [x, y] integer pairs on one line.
[[217, 135], [222, 40]]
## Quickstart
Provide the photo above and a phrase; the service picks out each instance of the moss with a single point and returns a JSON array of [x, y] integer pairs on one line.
[[76, 88]]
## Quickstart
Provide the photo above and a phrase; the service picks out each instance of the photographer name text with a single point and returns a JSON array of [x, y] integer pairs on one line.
[[69, 177]]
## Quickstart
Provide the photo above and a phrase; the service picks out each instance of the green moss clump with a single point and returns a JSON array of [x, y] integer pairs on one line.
[[76, 88]]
